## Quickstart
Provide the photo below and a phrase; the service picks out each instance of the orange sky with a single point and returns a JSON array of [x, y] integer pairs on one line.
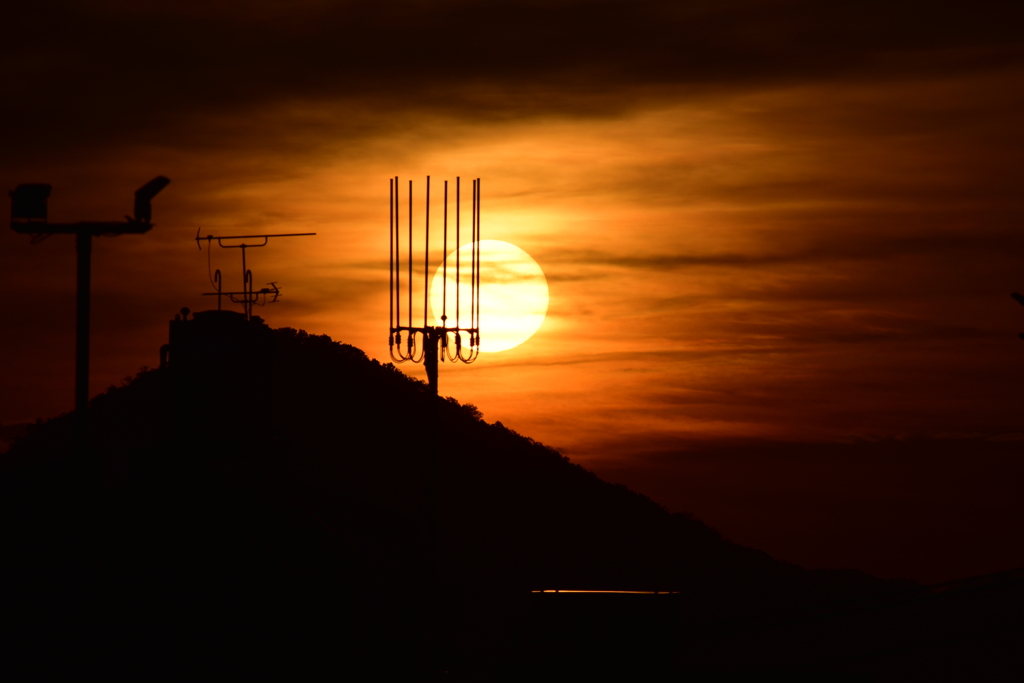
[[762, 223]]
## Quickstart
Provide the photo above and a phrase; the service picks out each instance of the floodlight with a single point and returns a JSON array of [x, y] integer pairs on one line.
[[28, 203], [143, 195]]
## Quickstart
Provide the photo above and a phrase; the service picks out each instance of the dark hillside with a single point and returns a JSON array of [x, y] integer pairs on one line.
[[284, 501]]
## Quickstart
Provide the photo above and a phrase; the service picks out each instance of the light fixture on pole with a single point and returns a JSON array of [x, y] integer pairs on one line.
[[29, 216]]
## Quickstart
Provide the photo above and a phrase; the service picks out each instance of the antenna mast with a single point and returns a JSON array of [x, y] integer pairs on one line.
[[247, 297], [458, 343]]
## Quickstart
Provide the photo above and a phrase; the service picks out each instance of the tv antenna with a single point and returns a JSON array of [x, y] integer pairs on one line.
[[29, 216], [247, 297], [427, 343]]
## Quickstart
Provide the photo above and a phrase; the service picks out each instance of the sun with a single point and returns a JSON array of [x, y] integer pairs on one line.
[[513, 294]]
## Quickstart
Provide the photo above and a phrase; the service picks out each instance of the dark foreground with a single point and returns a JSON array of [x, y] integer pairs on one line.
[[257, 507]]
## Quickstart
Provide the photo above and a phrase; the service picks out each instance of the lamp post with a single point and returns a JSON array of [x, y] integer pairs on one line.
[[29, 216]]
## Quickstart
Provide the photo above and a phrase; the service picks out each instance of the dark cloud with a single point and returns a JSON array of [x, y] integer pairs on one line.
[[841, 247], [93, 71]]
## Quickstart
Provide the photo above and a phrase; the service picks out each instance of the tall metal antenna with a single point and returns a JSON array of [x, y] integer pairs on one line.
[[247, 297], [428, 343]]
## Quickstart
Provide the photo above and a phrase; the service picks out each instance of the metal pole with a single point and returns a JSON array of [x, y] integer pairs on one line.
[[409, 313], [83, 247], [391, 256], [475, 279], [458, 244], [426, 259], [444, 274], [479, 238], [245, 279], [398, 264], [430, 358]]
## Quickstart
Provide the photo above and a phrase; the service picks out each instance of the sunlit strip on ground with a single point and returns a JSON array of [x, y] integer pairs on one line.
[[623, 592]]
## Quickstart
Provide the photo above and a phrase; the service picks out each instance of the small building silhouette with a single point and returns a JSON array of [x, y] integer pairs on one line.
[[219, 365]]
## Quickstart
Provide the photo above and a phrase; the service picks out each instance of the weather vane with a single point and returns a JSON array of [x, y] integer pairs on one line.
[[458, 342], [247, 297]]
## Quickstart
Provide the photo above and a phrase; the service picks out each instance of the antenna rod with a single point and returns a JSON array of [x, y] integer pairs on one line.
[[444, 262], [472, 259], [398, 262], [458, 246], [391, 256], [476, 242], [246, 237], [426, 259], [410, 261], [478, 238]]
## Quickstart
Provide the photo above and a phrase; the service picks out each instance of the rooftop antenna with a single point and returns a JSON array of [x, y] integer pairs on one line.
[[247, 297], [458, 342], [29, 216]]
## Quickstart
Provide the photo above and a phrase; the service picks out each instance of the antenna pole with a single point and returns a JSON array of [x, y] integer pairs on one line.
[[410, 260], [478, 238], [430, 340], [426, 259], [397, 294], [444, 262], [248, 296], [391, 252], [458, 246], [476, 245], [429, 343]]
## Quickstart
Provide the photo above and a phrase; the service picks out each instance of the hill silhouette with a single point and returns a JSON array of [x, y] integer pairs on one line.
[[274, 500]]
